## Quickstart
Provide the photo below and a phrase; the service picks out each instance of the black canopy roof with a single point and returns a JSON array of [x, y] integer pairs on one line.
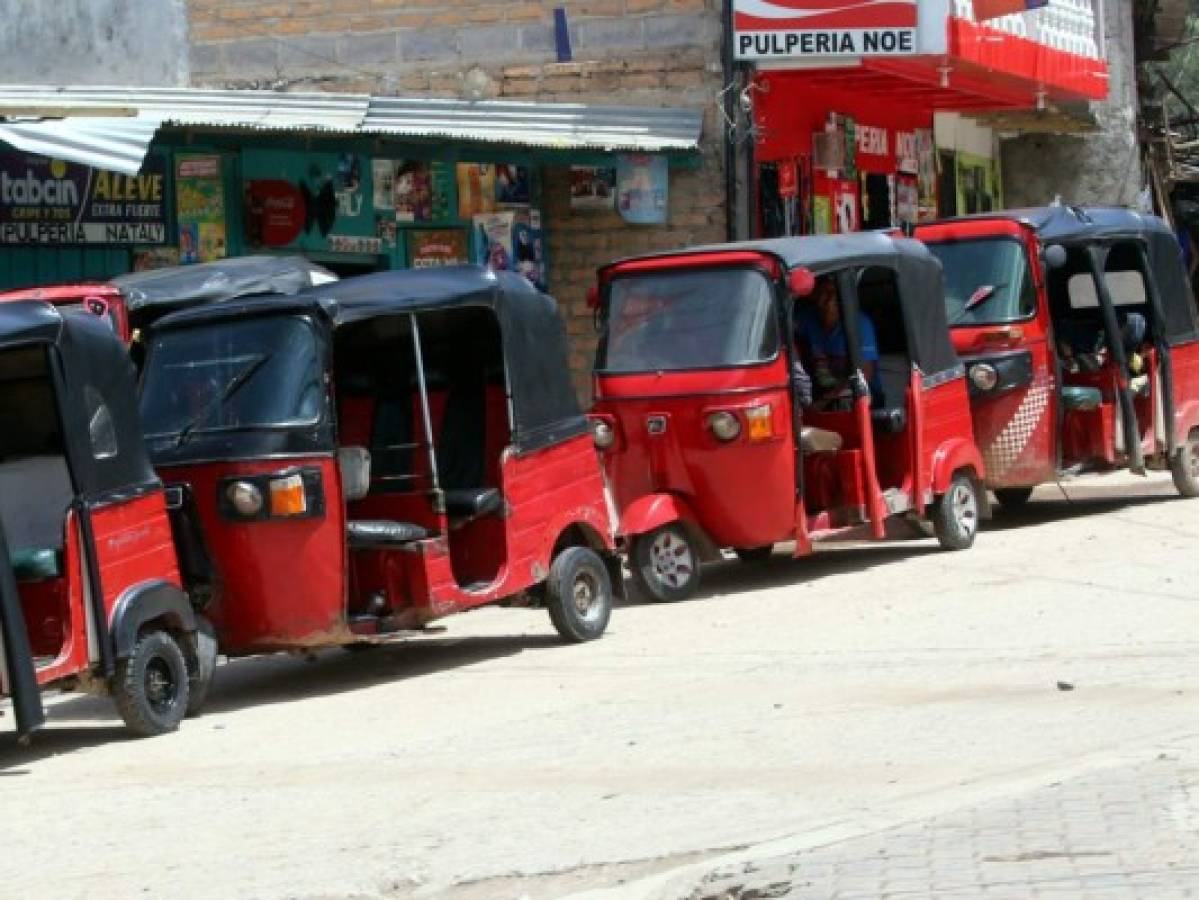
[[1080, 225], [545, 408], [921, 285], [96, 373], [159, 290]]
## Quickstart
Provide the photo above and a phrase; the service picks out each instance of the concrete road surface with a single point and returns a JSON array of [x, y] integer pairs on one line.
[[793, 703]]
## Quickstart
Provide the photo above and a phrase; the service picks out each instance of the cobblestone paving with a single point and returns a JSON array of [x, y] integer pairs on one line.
[[1126, 832]]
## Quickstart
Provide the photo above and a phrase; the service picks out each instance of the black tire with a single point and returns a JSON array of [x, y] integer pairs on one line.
[[578, 594], [665, 563], [1185, 467], [751, 555], [201, 666], [150, 686], [1013, 499], [361, 646], [955, 517]]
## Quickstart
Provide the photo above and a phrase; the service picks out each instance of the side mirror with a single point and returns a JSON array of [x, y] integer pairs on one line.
[[801, 282], [1055, 256], [593, 297]]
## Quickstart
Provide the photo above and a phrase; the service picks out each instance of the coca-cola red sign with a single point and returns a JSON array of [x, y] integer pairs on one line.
[[275, 213]]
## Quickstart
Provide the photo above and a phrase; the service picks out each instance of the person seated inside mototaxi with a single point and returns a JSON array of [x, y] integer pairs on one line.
[[823, 347], [1082, 344]]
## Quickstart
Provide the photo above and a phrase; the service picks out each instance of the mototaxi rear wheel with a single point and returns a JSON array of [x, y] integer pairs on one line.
[[151, 685], [578, 594], [1185, 466]]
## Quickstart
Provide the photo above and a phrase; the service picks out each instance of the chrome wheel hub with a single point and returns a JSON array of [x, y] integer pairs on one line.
[[965, 508], [671, 559], [585, 594]]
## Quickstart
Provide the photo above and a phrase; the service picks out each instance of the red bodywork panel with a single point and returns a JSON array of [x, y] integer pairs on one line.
[[134, 547], [281, 582], [75, 295]]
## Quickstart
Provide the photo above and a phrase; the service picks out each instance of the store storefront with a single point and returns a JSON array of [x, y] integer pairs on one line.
[[382, 191], [862, 113]]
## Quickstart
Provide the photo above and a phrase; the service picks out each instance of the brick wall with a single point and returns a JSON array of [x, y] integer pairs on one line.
[[626, 52]]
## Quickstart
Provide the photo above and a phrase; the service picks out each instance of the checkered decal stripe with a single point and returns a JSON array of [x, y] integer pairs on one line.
[[1007, 447]]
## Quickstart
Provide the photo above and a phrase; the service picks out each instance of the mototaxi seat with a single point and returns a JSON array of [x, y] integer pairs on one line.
[[354, 464], [471, 503], [890, 414], [35, 494]]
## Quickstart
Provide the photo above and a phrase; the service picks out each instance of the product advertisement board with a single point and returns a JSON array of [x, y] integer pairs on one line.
[[200, 208], [50, 202], [309, 201]]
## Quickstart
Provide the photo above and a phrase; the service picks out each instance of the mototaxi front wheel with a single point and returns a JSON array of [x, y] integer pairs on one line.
[[665, 563], [955, 516]]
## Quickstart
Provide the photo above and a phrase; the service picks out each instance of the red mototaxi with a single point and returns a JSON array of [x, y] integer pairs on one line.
[[368, 457], [132, 301], [703, 439], [1043, 305], [91, 597]]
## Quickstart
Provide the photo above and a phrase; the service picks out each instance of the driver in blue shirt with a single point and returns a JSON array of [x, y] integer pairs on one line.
[[821, 337]]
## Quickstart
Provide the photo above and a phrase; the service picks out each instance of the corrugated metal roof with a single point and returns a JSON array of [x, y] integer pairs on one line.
[[528, 124], [193, 106], [117, 144], [111, 127]]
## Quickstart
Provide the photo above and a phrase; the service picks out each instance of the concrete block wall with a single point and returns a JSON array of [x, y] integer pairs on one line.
[[90, 42], [626, 52], [1099, 168]]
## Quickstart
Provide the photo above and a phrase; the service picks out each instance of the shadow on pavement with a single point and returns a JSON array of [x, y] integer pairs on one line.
[[732, 577], [1060, 509], [264, 680]]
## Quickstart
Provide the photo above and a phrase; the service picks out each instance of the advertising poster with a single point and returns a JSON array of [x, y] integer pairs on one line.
[[382, 183], [592, 187], [845, 207], [511, 185], [47, 201], [788, 179], [493, 240], [442, 176], [476, 189], [528, 248], [428, 248], [413, 191], [822, 210], [145, 258], [200, 207], [926, 175], [642, 188]]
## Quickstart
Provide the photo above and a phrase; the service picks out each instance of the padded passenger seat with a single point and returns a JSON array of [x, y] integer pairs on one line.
[[33, 564], [366, 533], [354, 464], [471, 503], [894, 376], [892, 420]]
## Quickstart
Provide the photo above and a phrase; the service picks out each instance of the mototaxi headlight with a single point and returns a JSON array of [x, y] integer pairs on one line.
[[603, 434], [983, 376], [724, 425], [245, 498]]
